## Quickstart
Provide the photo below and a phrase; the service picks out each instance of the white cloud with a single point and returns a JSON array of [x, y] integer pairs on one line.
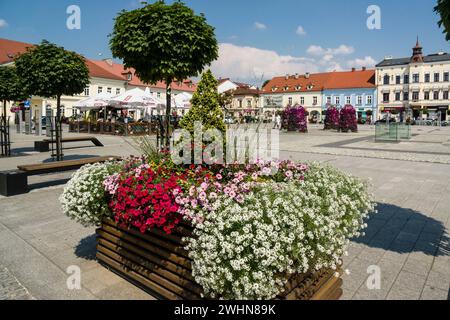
[[367, 61], [260, 26], [343, 49], [3, 23], [300, 31], [250, 64]]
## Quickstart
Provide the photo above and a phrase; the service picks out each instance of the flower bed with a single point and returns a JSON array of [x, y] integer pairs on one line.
[[230, 231]]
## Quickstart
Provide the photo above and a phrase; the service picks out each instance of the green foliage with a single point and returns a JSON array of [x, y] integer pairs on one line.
[[148, 148], [11, 88], [163, 42], [205, 107], [225, 98], [443, 8], [47, 70]]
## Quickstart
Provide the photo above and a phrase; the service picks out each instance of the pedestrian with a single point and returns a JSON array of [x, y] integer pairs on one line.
[[278, 121]]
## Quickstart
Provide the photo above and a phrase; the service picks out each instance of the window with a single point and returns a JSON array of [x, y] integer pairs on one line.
[[109, 90], [446, 76], [329, 100], [406, 79], [117, 91], [415, 96], [385, 97], [397, 96], [405, 96], [436, 77], [129, 76], [314, 100], [240, 103], [398, 80], [359, 100], [290, 101], [426, 95], [436, 95], [86, 91], [369, 100], [158, 95], [337, 100], [348, 100], [100, 89], [386, 79], [445, 95], [416, 78], [302, 100], [427, 77], [249, 103]]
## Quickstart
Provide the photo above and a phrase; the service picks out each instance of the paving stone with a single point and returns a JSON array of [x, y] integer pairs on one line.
[[410, 280], [402, 293], [417, 267], [432, 293], [438, 280]]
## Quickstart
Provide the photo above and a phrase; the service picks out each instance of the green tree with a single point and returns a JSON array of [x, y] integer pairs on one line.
[[164, 42], [443, 9], [205, 107], [47, 70], [11, 88]]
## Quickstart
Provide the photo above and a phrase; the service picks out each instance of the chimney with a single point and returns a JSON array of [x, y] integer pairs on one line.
[[287, 77], [364, 68], [296, 76], [353, 69], [307, 74]]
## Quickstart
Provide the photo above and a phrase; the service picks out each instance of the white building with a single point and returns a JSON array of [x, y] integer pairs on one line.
[[418, 85]]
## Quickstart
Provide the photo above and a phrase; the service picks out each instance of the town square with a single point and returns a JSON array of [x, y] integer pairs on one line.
[[172, 158]]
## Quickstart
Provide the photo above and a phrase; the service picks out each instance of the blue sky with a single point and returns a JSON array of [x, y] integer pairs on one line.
[[258, 38]]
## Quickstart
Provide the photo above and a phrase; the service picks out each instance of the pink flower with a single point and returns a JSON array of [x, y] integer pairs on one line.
[[219, 176], [204, 186]]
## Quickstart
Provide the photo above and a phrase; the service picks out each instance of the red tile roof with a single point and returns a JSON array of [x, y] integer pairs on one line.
[[120, 71], [301, 83], [9, 49], [322, 81], [98, 69], [351, 79]]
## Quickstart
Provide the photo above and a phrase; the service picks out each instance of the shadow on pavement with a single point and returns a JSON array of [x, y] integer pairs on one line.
[[404, 230], [86, 248]]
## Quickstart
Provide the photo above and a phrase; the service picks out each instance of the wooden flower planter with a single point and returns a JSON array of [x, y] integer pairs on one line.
[[158, 263]]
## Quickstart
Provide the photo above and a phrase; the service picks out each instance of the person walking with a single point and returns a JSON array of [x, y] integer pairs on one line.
[[278, 121]]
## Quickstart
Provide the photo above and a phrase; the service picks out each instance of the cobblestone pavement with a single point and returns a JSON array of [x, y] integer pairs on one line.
[[407, 241], [10, 288]]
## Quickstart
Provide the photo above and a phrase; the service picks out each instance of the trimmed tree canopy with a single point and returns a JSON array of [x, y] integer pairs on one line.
[[443, 8], [47, 70], [205, 106], [164, 42], [11, 89]]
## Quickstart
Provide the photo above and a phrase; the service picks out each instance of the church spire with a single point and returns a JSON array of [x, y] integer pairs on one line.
[[417, 52]]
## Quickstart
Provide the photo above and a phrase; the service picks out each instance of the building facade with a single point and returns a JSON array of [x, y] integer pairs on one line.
[[357, 88], [244, 102], [305, 90], [317, 91], [416, 86], [105, 76]]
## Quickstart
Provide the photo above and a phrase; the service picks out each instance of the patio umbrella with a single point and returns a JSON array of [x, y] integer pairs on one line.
[[96, 102], [183, 100], [135, 98]]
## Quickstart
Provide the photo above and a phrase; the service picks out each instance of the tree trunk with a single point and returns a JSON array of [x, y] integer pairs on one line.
[[4, 108], [58, 129], [168, 110]]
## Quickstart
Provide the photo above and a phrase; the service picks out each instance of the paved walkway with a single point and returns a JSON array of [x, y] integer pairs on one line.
[[408, 239]]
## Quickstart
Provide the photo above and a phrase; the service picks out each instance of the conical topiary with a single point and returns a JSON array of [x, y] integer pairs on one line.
[[205, 107]]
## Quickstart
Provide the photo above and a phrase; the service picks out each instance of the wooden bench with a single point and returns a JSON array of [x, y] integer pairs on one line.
[[44, 145], [14, 182]]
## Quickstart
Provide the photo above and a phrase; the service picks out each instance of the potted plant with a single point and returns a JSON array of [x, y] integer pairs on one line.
[[347, 120]]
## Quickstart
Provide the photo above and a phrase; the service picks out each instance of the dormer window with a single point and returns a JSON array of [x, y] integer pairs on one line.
[[129, 76], [286, 88], [310, 87], [274, 88], [298, 88]]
